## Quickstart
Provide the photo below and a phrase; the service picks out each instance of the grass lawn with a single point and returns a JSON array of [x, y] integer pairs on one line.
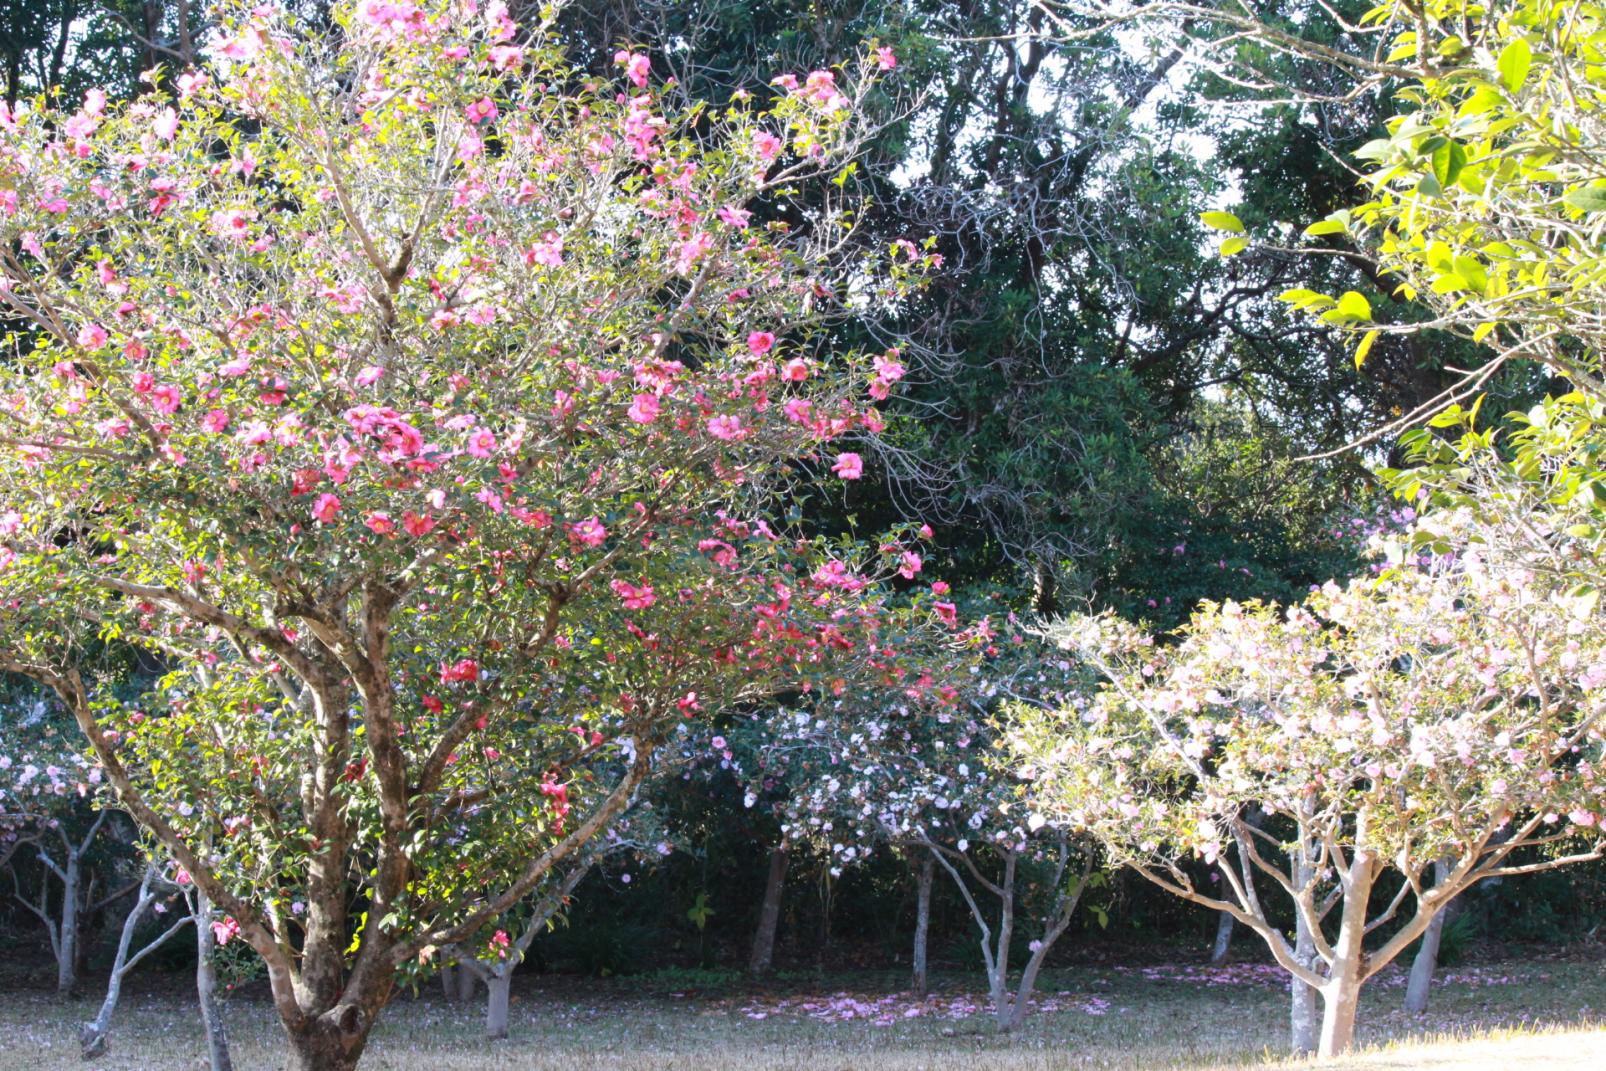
[[1494, 1017]]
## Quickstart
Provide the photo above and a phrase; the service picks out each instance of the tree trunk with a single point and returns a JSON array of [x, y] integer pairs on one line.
[[67, 954], [92, 1036], [499, 987], [769, 915], [217, 1039], [323, 1046], [1303, 1021], [928, 866], [1224, 927], [465, 984], [1427, 957], [1342, 994], [449, 981], [1003, 1004], [1341, 998]]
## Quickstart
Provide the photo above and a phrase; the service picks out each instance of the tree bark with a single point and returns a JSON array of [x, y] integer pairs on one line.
[[499, 988], [1223, 946], [333, 1041], [217, 1039], [927, 869], [1303, 1021], [449, 981], [1342, 993], [67, 954], [1426, 962], [769, 915], [465, 984]]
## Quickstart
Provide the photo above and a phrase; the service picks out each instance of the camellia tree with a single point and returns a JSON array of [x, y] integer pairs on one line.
[[417, 403], [1446, 712], [881, 769]]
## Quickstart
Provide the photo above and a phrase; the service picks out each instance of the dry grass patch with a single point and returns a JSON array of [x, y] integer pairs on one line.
[[1531, 1015]]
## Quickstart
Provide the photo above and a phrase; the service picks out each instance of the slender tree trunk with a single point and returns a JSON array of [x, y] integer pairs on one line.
[[449, 981], [1427, 957], [217, 1038], [769, 915], [1342, 994], [927, 870], [92, 1036], [1003, 1005], [499, 988], [67, 954], [1303, 1021], [1223, 946]]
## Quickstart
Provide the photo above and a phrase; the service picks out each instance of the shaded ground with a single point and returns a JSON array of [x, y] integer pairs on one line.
[[1541, 1014]]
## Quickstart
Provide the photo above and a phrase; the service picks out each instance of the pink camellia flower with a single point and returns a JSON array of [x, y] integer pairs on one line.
[[718, 743], [548, 252], [910, 565], [492, 753], [325, 507], [692, 250], [767, 145], [588, 533], [760, 342], [634, 597], [481, 443], [481, 111], [225, 931], [636, 66], [736, 217], [165, 126], [380, 523], [947, 612], [369, 376], [415, 524], [464, 669], [166, 397], [644, 408], [849, 466], [726, 427], [92, 336], [888, 368], [885, 59], [795, 371], [507, 57]]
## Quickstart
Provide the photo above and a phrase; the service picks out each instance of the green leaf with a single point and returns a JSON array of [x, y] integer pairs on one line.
[[1587, 199], [1365, 347], [1515, 59], [1351, 308], [1448, 161], [1222, 221], [1234, 245], [1324, 226]]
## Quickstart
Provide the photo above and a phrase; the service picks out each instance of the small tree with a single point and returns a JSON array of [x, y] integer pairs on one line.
[[54, 811], [93, 1036], [877, 769], [1447, 710], [419, 401]]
